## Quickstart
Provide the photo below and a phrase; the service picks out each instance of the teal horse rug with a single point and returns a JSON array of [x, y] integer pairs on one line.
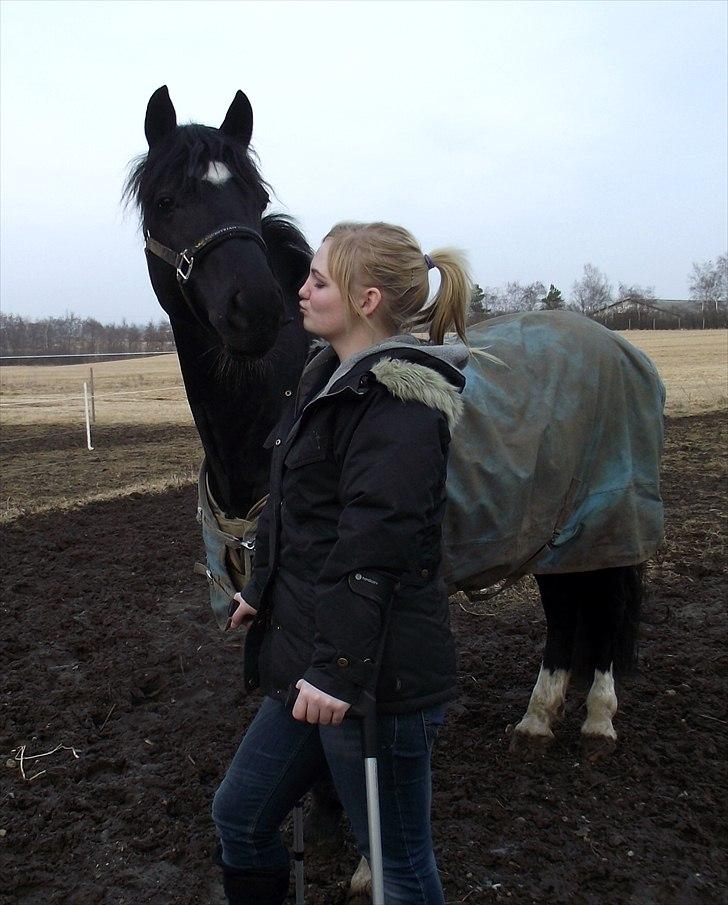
[[555, 464]]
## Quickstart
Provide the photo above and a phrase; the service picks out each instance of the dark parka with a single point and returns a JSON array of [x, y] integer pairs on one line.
[[350, 538]]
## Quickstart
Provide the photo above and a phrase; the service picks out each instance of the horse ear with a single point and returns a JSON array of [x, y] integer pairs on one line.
[[238, 122], [161, 118]]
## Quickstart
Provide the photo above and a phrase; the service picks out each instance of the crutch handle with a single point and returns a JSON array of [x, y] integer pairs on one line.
[[365, 709]]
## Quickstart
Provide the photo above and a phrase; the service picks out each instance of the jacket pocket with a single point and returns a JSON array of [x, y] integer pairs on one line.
[[313, 447]]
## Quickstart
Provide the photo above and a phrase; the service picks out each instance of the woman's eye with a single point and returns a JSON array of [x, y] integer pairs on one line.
[[319, 285]]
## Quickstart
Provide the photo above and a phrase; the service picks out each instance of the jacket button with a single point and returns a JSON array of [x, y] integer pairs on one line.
[[425, 573], [251, 683], [342, 662], [278, 441]]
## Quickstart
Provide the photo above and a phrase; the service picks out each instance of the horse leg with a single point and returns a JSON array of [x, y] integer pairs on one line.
[[549, 693], [323, 826], [611, 616]]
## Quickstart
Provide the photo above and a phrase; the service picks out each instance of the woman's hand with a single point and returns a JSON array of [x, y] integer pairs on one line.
[[314, 706], [244, 614]]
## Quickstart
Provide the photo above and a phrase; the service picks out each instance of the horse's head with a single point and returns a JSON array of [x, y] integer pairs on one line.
[[202, 201]]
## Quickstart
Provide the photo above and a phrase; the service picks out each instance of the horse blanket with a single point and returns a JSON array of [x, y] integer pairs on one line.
[[554, 465]]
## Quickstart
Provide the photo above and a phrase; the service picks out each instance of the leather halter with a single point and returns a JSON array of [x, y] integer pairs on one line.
[[183, 261]]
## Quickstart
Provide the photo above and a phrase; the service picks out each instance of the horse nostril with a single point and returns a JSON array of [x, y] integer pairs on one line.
[[238, 315]]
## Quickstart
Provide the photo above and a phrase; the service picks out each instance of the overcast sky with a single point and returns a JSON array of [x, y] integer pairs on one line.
[[536, 136]]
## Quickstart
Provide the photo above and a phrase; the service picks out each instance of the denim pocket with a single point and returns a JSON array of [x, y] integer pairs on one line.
[[415, 733], [432, 719]]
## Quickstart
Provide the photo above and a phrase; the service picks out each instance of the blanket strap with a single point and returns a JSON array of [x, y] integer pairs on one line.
[[239, 535]]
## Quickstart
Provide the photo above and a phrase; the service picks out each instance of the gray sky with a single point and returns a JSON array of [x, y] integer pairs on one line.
[[536, 136]]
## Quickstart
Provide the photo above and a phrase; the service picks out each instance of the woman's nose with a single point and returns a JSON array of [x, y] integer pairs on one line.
[[303, 291]]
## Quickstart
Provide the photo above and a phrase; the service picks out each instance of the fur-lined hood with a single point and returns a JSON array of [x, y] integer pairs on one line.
[[411, 369]]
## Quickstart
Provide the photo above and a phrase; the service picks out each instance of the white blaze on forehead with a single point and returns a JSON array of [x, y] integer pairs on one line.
[[217, 173]]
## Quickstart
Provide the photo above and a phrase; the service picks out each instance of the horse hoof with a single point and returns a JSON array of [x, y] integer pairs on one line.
[[529, 746], [597, 747], [360, 889], [358, 898]]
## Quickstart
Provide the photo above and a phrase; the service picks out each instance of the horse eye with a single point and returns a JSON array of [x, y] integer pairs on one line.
[[164, 204]]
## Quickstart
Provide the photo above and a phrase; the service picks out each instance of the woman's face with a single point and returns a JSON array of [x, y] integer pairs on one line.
[[324, 312]]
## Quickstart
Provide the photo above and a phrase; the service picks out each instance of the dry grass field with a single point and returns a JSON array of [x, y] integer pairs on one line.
[[693, 365], [144, 438], [130, 391]]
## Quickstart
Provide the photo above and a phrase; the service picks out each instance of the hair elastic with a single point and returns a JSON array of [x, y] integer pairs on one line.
[[430, 263]]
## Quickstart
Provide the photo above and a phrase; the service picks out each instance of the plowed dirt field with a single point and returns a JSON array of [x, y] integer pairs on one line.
[[108, 649]]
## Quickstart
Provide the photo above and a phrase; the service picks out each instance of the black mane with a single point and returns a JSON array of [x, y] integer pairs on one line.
[[181, 161], [288, 251]]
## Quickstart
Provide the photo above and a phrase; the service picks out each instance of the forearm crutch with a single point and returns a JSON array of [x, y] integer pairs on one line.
[[298, 850], [366, 709], [369, 750]]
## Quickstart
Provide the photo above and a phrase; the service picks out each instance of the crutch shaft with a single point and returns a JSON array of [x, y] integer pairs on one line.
[[298, 851], [375, 833]]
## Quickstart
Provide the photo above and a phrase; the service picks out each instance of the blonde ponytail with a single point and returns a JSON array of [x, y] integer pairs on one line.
[[448, 309]]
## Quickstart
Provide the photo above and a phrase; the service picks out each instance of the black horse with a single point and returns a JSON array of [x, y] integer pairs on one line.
[[228, 277]]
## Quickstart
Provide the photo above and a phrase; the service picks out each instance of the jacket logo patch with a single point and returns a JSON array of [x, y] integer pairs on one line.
[[360, 577]]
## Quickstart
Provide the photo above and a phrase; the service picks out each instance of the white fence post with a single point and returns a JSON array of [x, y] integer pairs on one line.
[[93, 397], [88, 421]]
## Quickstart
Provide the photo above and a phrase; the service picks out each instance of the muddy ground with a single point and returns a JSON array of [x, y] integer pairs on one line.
[[108, 648]]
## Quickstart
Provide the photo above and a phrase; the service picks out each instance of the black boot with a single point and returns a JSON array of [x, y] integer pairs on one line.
[[254, 886]]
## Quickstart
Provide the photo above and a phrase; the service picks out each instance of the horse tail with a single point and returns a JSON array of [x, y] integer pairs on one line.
[[631, 593], [607, 605]]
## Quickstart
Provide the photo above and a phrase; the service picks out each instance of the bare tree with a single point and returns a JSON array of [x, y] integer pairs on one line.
[[592, 291], [632, 292], [521, 297], [71, 334], [709, 284]]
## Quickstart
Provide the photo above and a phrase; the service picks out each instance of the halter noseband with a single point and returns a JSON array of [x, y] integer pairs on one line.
[[183, 261]]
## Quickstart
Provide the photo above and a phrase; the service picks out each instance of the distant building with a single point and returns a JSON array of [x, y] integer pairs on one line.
[[636, 313]]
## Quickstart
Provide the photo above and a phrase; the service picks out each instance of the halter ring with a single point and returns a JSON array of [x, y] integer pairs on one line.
[[184, 259]]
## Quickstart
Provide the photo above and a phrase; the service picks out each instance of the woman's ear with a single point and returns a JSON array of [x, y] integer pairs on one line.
[[370, 301]]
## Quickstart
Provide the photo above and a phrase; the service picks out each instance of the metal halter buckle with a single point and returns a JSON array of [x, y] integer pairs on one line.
[[184, 259]]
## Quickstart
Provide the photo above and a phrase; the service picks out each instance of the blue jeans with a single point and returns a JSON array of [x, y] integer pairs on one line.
[[279, 759]]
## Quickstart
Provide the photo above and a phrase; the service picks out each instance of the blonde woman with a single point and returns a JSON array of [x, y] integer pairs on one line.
[[350, 544]]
